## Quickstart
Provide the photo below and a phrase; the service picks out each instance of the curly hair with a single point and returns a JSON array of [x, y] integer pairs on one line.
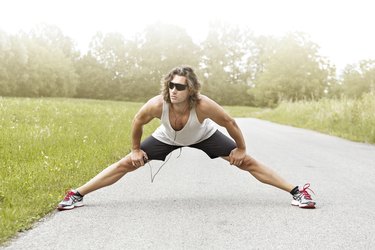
[[191, 79]]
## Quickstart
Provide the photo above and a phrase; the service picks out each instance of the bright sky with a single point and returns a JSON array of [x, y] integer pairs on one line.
[[343, 29]]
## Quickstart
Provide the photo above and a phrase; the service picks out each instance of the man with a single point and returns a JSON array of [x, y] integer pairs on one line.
[[187, 119]]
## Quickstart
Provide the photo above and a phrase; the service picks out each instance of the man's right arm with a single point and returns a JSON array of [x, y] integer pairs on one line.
[[150, 110]]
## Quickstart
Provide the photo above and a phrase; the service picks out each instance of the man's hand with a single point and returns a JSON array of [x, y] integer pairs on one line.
[[237, 156], [138, 158]]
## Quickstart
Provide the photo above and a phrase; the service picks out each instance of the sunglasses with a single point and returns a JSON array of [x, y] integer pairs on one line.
[[178, 86]]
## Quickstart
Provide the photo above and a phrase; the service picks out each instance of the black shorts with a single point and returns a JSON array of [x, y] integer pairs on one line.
[[216, 145]]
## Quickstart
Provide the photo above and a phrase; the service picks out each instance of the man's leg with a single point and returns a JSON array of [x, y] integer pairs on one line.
[[74, 198], [301, 196], [263, 173], [108, 176], [220, 145], [154, 149]]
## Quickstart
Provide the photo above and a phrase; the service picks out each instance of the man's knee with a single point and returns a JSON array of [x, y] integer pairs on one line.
[[125, 165], [249, 164]]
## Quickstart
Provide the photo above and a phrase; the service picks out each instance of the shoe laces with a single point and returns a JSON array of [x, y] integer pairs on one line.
[[304, 192], [70, 194]]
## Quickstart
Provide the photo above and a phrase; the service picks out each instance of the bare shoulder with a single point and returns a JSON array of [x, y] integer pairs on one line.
[[156, 101], [206, 104], [153, 107], [207, 108]]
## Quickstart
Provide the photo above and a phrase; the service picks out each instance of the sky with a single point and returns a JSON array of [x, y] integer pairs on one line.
[[344, 29]]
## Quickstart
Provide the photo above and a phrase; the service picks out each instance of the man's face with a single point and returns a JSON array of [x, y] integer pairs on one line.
[[178, 89]]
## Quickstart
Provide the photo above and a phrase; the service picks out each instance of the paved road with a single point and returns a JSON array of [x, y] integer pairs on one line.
[[195, 203]]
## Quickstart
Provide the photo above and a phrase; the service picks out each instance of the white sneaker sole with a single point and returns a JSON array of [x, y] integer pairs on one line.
[[78, 204], [309, 205]]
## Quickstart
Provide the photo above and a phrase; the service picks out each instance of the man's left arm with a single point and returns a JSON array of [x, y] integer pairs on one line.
[[216, 113]]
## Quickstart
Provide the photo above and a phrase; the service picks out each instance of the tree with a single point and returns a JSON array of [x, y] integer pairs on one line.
[[48, 74], [290, 69], [51, 36], [359, 78], [111, 52], [161, 47], [50, 67], [94, 78], [13, 61], [226, 53]]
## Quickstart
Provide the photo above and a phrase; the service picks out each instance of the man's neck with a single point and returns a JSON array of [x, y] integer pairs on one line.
[[179, 108]]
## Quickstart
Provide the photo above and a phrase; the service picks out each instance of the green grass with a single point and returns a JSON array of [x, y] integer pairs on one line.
[[241, 111], [346, 118], [50, 145]]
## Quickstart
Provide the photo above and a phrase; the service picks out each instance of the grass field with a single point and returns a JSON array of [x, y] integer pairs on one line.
[[50, 145], [346, 118]]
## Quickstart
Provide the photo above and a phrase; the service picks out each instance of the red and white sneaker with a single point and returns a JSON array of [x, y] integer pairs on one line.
[[303, 199], [71, 200]]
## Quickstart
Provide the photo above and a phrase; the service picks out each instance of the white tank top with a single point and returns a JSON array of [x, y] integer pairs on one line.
[[193, 131]]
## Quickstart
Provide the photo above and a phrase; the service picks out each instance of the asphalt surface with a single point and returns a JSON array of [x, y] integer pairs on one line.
[[198, 203]]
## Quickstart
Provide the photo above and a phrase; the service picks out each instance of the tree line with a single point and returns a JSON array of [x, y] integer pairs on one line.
[[235, 66]]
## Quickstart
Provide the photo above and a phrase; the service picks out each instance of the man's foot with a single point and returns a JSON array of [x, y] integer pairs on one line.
[[71, 200], [302, 198]]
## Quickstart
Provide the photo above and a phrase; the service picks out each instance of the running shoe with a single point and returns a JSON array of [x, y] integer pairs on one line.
[[303, 199], [71, 200]]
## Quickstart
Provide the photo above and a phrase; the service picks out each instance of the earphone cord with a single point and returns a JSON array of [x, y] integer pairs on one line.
[[162, 165], [169, 156]]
